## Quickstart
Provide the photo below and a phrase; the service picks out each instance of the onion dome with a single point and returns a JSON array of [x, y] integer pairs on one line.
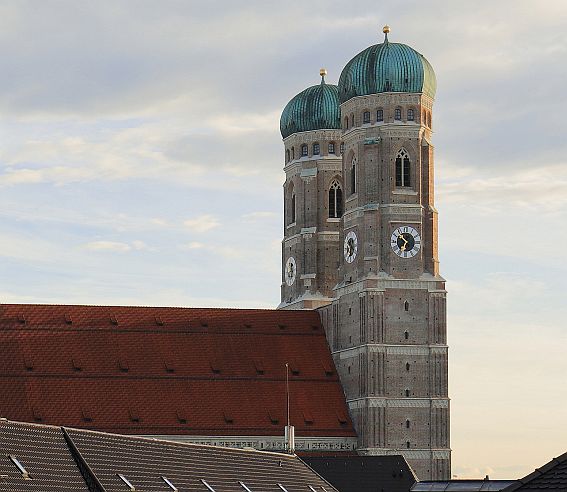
[[315, 108], [387, 67]]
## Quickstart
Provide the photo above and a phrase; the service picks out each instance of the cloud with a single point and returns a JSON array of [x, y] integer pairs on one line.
[[113, 246], [203, 223], [256, 216]]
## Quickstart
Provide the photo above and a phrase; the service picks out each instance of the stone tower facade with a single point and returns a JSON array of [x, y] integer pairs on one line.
[[386, 323], [313, 168]]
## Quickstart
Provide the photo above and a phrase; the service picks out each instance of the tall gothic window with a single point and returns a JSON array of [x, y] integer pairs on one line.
[[316, 149], [353, 176], [291, 216], [380, 115], [398, 114], [352, 120], [335, 200], [304, 150], [403, 169], [366, 117]]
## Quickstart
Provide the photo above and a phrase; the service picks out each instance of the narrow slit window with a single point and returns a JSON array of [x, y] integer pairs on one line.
[[351, 120], [407, 424], [408, 444], [244, 486], [406, 306], [403, 169], [406, 335], [353, 177], [207, 485], [20, 467], [287, 155], [407, 366], [169, 484], [126, 481], [407, 392]]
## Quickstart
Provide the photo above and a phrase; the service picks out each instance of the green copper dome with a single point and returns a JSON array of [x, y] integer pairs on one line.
[[386, 67], [315, 108]]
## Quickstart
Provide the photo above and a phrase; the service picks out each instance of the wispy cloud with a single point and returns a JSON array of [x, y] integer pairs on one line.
[[203, 223]]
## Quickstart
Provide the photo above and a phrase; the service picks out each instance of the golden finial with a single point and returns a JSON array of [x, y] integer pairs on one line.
[[386, 30], [322, 73]]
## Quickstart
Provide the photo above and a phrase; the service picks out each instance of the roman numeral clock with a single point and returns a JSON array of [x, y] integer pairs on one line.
[[405, 241]]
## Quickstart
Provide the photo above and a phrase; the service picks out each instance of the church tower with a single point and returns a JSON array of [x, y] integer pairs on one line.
[[313, 197], [387, 323]]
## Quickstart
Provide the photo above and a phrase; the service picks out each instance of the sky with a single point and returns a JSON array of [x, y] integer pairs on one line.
[[141, 164]]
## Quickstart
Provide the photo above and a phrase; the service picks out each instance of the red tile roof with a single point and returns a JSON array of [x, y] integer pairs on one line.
[[169, 371]]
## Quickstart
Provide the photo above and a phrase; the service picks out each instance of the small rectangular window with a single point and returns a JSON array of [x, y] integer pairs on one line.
[[304, 150], [380, 115], [331, 148], [20, 467], [207, 485], [398, 114], [366, 117], [316, 149], [126, 481], [170, 485], [243, 485], [411, 115]]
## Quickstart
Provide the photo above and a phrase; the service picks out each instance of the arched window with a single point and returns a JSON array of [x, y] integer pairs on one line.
[[408, 444], [316, 149], [411, 114], [342, 148], [429, 119], [287, 155], [346, 123], [403, 169], [398, 113], [380, 114], [406, 335], [407, 392], [331, 149], [366, 117], [407, 424], [407, 366], [335, 200], [352, 120], [304, 150], [292, 153], [353, 176], [406, 306]]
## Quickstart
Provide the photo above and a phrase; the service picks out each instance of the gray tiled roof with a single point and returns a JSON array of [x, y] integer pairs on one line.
[[61, 460], [551, 476]]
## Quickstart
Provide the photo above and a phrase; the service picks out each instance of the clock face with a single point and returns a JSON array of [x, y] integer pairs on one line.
[[405, 241], [351, 247], [290, 271]]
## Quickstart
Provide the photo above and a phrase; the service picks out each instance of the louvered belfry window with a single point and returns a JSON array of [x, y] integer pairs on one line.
[[403, 175]]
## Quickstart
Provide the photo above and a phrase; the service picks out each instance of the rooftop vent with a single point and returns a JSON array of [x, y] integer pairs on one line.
[[204, 323], [228, 418], [134, 415], [215, 366], [126, 481], [113, 319], [282, 326], [123, 365], [68, 319], [307, 417], [20, 467], [77, 364], [87, 414], [259, 366], [28, 363], [168, 366], [159, 321], [327, 368], [22, 318], [181, 416], [247, 324], [342, 418], [294, 368], [272, 415], [37, 416]]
